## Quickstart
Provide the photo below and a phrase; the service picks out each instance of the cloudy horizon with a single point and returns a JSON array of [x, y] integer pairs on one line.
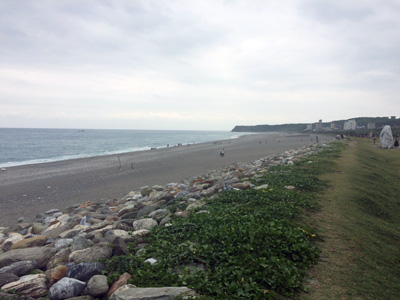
[[198, 65]]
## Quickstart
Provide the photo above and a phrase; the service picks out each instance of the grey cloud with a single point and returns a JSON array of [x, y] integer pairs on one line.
[[365, 35], [183, 56], [88, 33], [336, 11]]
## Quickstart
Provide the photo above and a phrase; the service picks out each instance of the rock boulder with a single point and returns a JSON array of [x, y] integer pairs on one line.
[[20, 268], [97, 286], [147, 223], [39, 254], [7, 278], [122, 280], [66, 288], [35, 241], [130, 292], [84, 271], [30, 285], [386, 137], [92, 254]]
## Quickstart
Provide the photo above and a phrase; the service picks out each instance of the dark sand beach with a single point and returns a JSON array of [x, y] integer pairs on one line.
[[28, 190]]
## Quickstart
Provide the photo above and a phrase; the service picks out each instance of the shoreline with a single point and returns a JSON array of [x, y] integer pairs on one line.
[[36, 161], [20, 172], [32, 189]]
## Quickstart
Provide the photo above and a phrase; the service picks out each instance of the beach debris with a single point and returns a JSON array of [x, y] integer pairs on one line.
[[290, 187], [83, 221], [151, 261], [52, 211]]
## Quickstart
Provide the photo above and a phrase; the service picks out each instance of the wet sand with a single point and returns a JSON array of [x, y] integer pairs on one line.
[[28, 190]]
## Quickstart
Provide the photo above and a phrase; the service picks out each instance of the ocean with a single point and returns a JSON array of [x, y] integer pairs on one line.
[[30, 146]]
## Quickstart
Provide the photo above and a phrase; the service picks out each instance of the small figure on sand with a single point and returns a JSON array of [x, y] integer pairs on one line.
[[222, 153]]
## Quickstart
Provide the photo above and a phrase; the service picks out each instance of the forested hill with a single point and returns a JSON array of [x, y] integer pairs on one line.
[[361, 121], [269, 128]]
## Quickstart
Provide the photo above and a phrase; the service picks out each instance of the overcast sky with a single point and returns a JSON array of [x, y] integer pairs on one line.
[[203, 65]]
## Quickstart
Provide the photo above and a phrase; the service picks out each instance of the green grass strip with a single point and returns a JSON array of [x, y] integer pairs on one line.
[[360, 227], [376, 198]]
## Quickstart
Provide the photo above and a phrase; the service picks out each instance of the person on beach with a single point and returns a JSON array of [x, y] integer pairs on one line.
[[222, 153]]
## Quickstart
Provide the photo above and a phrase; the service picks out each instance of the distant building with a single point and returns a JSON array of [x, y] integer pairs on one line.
[[309, 127], [350, 125], [393, 117], [335, 126], [318, 126], [371, 125]]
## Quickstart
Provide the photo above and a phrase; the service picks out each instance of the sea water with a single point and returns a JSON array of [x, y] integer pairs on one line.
[[29, 146]]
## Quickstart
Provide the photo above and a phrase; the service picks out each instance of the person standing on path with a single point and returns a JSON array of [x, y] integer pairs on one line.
[[222, 153]]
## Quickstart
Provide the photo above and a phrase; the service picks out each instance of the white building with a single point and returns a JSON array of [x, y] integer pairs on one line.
[[350, 125]]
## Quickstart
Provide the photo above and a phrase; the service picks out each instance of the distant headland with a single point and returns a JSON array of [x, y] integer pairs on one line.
[[361, 123]]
